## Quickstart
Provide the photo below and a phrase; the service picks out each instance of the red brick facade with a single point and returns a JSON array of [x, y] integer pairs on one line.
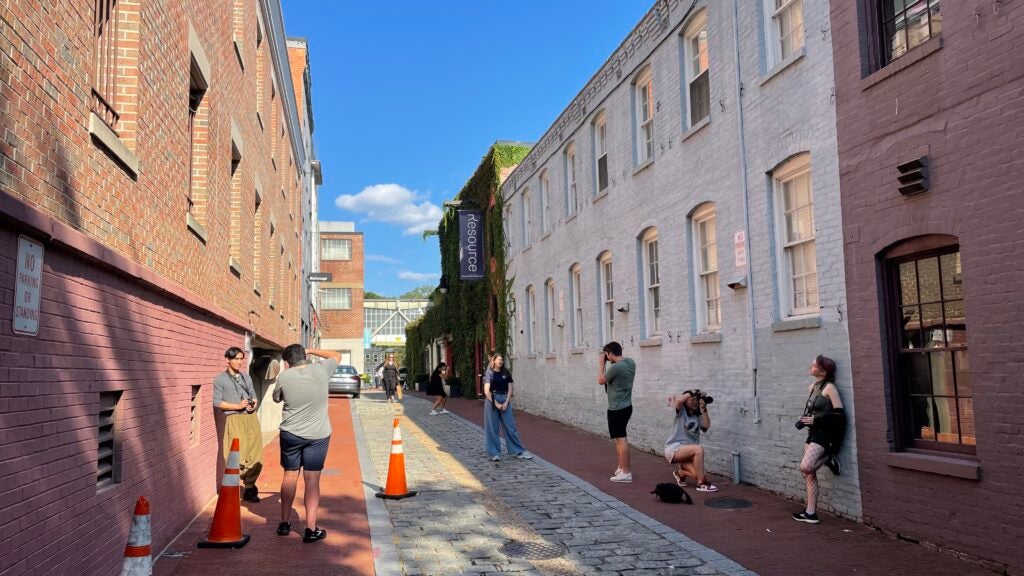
[[344, 324], [957, 99], [164, 245]]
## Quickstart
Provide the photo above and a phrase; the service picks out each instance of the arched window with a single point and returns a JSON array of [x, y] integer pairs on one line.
[[545, 203], [651, 282], [644, 115], [606, 289], [705, 269], [695, 69], [600, 152], [570, 180], [794, 225], [576, 304], [531, 320], [549, 316]]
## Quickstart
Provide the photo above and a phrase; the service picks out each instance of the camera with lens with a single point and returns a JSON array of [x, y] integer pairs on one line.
[[251, 403], [700, 395], [800, 425]]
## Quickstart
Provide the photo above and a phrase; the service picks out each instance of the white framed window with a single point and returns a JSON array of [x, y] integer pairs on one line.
[[644, 98], [545, 203], [527, 217], [549, 316], [698, 86], [506, 226], [705, 269], [795, 231], [785, 29], [337, 299], [513, 324], [576, 293], [607, 298], [651, 283], [531, 320], [335, 249], [570, 180], [600, 153]]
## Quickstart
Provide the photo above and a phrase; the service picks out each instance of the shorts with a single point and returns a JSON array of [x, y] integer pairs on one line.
[[670, 450], [617, 421], [818, 437], [297, 452]]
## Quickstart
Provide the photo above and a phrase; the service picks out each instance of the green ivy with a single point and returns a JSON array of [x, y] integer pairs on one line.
[[462, 314]]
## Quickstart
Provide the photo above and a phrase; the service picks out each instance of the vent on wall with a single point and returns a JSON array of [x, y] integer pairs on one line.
[[913, 176], [108, 459], [193, 423]]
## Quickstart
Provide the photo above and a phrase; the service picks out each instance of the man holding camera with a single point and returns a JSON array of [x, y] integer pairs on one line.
[[235, 396], [618, 382], [683, 446]]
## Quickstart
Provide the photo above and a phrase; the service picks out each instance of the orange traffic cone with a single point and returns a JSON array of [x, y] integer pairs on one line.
[[396, 488], [226, 531], [138, 558]]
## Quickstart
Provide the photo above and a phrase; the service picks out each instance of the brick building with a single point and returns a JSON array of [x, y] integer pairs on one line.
[[341, 299], [934, 265], [686, 204], [151, 215]]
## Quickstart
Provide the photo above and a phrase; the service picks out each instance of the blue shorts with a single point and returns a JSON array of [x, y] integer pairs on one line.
[[297, 452]]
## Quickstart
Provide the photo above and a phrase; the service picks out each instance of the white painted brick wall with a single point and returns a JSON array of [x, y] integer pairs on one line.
[[791, 112]]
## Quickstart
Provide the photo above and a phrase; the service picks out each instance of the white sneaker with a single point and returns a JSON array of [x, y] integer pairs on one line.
[[524, 456], [443, 411], [622, 477], [434, 412], [495, 458]]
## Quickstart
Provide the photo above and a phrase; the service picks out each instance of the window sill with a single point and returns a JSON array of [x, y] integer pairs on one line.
[[106, 138], [796, 324], [198, 229], [259, 120], [545, 236], [651, 342], [706, 338], [643, 166], [513, 356], [577, 350], [912, 57], [256, 290], [526, 249], [781, 66], [549, 356], [238, 53], [695, 128], [571, 217], [235, 266], [601, 196], [531, 356], [271, 304], [935, 464]]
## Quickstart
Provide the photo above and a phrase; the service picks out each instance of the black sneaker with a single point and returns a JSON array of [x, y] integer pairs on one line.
[[803, 516], [284, 529], [833, 465], [314, 535], [251, 494]]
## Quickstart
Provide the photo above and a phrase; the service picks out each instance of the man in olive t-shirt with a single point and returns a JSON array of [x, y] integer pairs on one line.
[[618, 382]]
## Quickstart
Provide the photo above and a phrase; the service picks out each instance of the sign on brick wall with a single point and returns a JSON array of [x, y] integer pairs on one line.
[[28, 285], [740, 248], [471, 246]]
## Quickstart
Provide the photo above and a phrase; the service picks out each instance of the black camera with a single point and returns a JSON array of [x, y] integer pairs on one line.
[[699, 395], [800, 425]]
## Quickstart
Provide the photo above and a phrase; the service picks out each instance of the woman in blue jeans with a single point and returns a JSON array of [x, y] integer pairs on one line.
[[498, 411]]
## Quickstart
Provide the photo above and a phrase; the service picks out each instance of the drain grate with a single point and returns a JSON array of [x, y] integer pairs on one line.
[[727, 503], [533, 550]]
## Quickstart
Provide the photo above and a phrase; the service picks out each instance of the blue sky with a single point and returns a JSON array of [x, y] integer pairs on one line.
[[408, 95]]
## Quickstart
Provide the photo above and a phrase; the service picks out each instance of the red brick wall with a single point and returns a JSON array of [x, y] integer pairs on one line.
[[965, 103], [346, 274]]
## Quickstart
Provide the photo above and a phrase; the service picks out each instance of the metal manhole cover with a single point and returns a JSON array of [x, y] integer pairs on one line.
[[533, 550], [728, 503]]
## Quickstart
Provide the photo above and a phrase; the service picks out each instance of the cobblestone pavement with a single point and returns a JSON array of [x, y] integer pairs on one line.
[[471, 515]]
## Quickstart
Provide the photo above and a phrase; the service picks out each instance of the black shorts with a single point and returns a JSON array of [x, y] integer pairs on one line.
[[297, 452], [617, 421]]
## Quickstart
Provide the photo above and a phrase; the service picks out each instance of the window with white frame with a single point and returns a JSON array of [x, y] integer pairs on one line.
[[600, 153], [527, 217], [644, 98], [337, 299], [695, 49], [506, 225], [651, 283], [531, 320], [577, 304], [607, 299], [335, 249], [513, 324], [570, 179], [549, 319], [545, 203], [795, 226], [785, 23], [705, 258]]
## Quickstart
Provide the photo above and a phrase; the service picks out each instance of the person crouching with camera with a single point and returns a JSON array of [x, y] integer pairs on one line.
[[825, 421], [683, 446]]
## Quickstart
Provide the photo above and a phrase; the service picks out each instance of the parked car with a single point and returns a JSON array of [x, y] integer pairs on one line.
[[345, 380]]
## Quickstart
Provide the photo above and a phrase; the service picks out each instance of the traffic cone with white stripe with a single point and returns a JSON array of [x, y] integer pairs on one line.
[[396, 488], [226, 531], [138, 557]]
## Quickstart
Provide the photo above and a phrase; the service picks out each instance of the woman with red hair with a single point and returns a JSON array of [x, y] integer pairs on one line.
[[825, 421]]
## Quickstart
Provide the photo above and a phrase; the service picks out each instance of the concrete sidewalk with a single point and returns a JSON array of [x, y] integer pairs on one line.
[[763, 537]]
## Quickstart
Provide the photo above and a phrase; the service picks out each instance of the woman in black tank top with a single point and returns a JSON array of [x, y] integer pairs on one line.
[[823, 417]]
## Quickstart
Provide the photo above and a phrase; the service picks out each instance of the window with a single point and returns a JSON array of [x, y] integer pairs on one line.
[[512, 327], [601, 153], [549, 316], [934, 407], [695, 50], [545, 203], [651, 283], [531, 320], [193, 417], [198, 137], [709, 310], [785, 29], [795, 223], [906, 24], [108, 428], [335, 249], [257, 239], [235, 251], [570, 180], [644, 99], [337, 299], [506, 226], [527, 218], [576, 294], [607, 298], [105, 56]]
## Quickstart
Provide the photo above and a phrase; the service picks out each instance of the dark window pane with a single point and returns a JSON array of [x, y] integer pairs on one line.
[[908, 283], [915, 372], [966, 406], [700, 98], [928, 279], [963, 374], [921, 418], [942, 373], [911, 322], [944, 420], [895, 38], [602, 172], [956, 326], [931, 324], [952, 285], [936, 18]]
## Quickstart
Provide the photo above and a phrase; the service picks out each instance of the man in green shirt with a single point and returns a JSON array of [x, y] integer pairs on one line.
[[618, 382]]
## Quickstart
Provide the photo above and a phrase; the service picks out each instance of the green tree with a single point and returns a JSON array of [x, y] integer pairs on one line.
[[419, 293], [368, 295]]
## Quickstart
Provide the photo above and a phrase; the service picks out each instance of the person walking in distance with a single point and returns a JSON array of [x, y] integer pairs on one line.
[[498, 412], [435, 387], [618, 382], [389, 376], [825, 421], [305, 431], [235, 396]]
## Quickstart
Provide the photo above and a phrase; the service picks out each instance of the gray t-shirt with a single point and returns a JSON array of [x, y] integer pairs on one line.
[[303, 389], [686, 429], [232, 390], [619, 377]]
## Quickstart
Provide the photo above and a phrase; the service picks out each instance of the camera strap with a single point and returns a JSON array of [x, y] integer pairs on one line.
[[815, 392]]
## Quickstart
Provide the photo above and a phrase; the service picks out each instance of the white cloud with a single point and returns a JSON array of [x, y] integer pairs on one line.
[[393, 204], [381, 258], [417, 276]]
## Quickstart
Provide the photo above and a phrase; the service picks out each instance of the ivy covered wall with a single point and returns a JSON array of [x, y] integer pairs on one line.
[[465, 312]]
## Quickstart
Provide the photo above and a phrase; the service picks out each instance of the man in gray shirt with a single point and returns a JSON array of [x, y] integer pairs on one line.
[[235, 397], [305, 431]]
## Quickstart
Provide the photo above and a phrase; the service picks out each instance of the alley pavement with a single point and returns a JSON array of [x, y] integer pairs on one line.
[[555, 514]]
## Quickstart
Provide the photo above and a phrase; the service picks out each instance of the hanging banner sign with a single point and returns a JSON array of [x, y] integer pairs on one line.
[[471, 245]]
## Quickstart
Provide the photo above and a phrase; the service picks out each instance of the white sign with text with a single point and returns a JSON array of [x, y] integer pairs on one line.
[[28, 286]]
